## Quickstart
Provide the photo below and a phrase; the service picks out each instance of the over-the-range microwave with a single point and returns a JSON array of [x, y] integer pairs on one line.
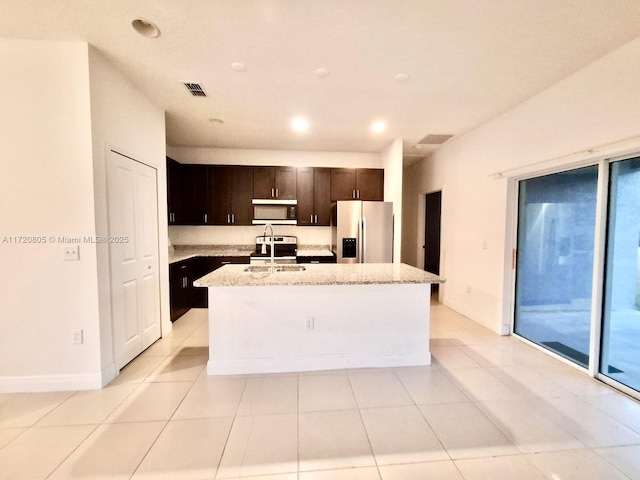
[[276, 212]]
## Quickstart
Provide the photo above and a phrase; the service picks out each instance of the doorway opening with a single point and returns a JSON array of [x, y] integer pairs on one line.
[[433, 214]]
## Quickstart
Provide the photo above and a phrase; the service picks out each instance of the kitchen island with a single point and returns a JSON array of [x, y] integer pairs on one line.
[[329, 316]]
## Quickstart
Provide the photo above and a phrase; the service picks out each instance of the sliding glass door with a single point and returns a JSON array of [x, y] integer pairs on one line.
[[556, 256], [620, 349], [554, 269]]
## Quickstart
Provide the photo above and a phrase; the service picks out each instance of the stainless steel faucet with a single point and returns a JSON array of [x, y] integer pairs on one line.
[[264, 246]]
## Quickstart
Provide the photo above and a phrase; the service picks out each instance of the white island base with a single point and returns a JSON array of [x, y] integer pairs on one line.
[[294, 328]]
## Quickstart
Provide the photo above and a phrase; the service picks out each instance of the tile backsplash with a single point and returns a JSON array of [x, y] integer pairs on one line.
[[230, 235]]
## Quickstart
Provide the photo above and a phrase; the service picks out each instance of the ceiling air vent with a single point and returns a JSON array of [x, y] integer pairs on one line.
[[195, 89], [434, 139]]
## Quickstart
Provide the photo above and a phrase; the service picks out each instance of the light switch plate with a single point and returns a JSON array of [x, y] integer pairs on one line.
[[72, 252], [77, 336]]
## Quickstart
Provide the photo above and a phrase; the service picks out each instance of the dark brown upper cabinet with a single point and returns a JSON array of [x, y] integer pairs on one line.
[[313, 194], [357, 184], [174, 191], [370, 184], [274, 183], [187, 193], [231, 189]]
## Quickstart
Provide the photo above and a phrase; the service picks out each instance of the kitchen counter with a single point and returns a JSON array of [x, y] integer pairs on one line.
[[321, 274], [183, 252], [329, 316], [314, 251]]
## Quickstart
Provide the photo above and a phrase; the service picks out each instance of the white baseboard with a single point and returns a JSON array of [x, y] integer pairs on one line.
[[108, 374], [318, 363], [51, 383], [475, 317]]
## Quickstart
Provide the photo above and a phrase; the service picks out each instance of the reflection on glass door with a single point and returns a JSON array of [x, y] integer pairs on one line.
[[556, 231], [620, 352]]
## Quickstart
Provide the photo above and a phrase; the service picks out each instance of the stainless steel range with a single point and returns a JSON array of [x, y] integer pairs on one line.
[[285, 249]]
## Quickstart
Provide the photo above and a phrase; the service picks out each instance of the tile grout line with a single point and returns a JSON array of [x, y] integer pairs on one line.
[[166, 357], [72, 450], [233, 422], [425, 419], [364, 427]]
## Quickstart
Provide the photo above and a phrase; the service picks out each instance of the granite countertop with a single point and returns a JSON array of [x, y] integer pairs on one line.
[[183, 252], [314, 251], [320, 274]]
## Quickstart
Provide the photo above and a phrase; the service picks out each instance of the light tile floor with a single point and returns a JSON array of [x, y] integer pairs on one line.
[[489, 407]]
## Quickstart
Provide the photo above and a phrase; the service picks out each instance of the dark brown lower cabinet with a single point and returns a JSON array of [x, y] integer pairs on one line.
[[182, 294], [179, 293]]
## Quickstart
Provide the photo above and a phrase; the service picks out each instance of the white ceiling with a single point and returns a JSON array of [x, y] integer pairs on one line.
[[467, 61]]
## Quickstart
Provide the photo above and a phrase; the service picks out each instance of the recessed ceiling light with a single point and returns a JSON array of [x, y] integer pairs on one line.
[[300, 124], [321, 72], [378, 127], [146, 28], [239, 67], [402, 77]]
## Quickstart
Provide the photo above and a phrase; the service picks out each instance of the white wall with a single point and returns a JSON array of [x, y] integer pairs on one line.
[[46, 189], [392, 162], [418, 180], [64, 106], [596, 106], [125, 120], [229, 156], [231, 235]]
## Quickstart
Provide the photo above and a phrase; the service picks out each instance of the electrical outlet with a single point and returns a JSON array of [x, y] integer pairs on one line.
[[77, 336], [71, 252], [309, 323]]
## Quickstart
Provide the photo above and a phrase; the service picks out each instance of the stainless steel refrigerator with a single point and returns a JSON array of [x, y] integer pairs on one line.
[[362, 232]]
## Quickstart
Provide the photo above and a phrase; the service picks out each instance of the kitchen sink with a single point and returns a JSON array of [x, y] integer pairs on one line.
[[276, 268]]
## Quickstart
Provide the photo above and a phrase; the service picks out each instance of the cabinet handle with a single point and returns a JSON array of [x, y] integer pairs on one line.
[[233, 218], [316, 218], [358, 194], [277, 192], [228, 218], [272, 195], [205, 218], [311, 220]]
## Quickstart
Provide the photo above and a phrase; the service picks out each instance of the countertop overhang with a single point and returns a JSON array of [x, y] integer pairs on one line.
[[321, 274]]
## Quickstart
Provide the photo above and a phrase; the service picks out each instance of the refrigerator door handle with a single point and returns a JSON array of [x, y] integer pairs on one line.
[[363, 230]]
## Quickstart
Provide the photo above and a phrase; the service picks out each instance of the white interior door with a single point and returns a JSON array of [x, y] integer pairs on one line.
[[133, 252]]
